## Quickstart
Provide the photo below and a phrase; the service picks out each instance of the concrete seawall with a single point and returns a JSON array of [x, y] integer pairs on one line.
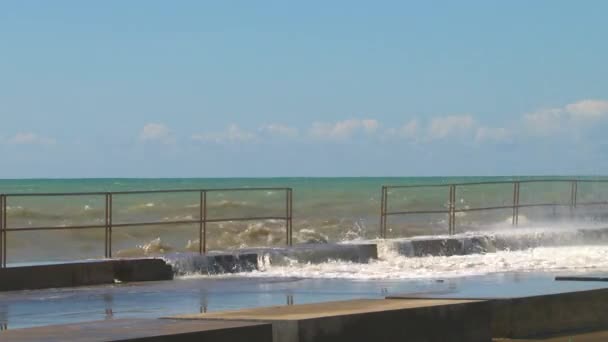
[[246, 260], [364, 320], [83, 273], [145, 330], [370, 320], [549, 314]]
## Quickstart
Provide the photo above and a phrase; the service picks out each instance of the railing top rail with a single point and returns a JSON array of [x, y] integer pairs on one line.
[[497, 182], [135, 192]]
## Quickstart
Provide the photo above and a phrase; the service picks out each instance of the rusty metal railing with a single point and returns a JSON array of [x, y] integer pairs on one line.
[[452, 209], [109, 226]]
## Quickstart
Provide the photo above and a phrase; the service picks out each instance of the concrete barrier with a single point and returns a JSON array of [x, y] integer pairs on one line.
[[94, 272], [548, 314], [370, 320], [319, 253], [497, 241], [151, 330], [248, 259]]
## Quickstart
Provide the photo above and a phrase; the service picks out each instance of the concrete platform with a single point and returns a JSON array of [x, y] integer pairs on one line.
[[368, 320], [94, 272], [145, 331], [600, 336], [547, 314]]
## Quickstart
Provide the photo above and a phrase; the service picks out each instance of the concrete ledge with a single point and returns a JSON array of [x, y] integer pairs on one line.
[[549, 314], [248, 259], [599, 336], [213, 263], [368, 320], [319, 253], [95, 272], [151, 330]]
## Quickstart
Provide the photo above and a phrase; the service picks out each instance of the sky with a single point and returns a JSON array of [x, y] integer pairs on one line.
[[309, 88]]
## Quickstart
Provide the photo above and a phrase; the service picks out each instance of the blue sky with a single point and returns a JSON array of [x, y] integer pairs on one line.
[[315, 88]]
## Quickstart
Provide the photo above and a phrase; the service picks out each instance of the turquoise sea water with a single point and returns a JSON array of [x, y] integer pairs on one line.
[[325, 209]]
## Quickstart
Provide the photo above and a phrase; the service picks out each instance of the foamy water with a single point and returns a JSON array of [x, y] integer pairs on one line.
[[392, 266]]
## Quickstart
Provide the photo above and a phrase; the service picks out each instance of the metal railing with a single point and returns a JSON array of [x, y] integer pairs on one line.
[[108, 224], [452, 209]]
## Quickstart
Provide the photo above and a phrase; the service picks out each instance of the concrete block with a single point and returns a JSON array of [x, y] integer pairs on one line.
[[550, 314], [151, 330], [371, 320], [94, 272]]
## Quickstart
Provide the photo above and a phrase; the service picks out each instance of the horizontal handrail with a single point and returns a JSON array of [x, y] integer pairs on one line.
[[136, 192], [497, 183], [452, 206], [109, 225]]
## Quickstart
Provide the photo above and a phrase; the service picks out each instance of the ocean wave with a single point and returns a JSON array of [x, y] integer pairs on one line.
[[153, 247], [392, 266]]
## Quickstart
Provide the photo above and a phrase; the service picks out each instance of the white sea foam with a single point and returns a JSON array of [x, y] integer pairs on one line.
[[393, 266]]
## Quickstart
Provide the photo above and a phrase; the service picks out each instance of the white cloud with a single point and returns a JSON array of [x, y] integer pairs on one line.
[[343, 130], [370, 126], [233, 134], [587, 110], [280, 130], [544, 122], [453, 125], [156, 132], [29, 138], [408, 131], [495, 134]]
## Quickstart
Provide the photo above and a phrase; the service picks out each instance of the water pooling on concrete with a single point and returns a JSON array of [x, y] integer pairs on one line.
[[182, 296]]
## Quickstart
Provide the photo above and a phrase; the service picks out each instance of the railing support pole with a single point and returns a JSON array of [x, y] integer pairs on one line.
[[290, 217], [200, 223], [516, 206], [451, 209], [106, 253], [2, 215], [110, 225], [288, 229], [454, 211], [383, 199], [203, 242]]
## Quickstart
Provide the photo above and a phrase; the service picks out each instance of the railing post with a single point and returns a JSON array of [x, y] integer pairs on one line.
[[4, 236], [288, 232], [516, 203], [454, 209], [290, 219], [451, 207], [109, 225], [204, 241], [202, 227], [383, 212], [2, 214], [574, 193]]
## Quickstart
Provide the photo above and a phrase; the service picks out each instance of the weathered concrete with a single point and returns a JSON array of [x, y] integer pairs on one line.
[[95, 272], [368, 320], [599, 336], [497, 241], [547, 314], [319, 253], [151, 330], [213, 263], [248, 259]]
